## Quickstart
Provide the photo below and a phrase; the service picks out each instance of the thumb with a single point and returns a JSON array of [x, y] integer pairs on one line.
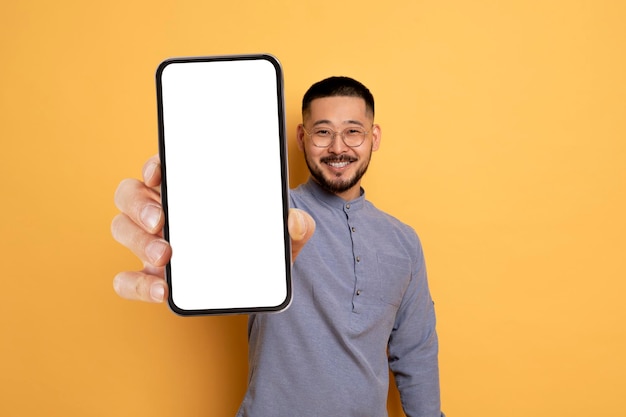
[[301, 227]]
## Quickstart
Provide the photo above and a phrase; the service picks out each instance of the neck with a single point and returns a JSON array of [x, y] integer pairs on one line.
[[347, 195], [350, 194]]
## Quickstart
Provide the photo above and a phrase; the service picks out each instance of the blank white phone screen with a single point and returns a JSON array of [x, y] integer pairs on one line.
[[223, 156]]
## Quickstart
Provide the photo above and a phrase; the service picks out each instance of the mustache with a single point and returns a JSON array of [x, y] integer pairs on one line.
[[340, 158]]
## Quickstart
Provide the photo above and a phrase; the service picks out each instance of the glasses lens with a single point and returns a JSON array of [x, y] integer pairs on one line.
[[322, 137], [353, 136]]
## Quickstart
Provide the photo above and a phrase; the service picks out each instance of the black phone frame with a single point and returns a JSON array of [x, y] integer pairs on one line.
[[284, 180]]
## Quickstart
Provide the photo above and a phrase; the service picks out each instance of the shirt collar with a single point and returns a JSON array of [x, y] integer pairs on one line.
[[331, 199]]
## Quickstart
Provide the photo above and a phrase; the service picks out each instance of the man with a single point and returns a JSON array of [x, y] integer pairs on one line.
[[361, 300]]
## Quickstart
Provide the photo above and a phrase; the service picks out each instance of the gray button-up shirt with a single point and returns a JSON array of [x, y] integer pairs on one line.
[[361, 305]]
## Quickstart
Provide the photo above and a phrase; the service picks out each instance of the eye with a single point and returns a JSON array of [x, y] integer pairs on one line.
[[323, 132], [354, 131]]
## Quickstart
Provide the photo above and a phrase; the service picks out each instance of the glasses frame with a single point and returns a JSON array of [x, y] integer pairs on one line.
[[341, 134]]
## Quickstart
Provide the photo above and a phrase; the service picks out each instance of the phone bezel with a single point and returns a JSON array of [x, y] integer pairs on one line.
[[284, 181]]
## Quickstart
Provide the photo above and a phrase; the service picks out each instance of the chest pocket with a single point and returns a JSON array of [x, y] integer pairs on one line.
[[394, 275]]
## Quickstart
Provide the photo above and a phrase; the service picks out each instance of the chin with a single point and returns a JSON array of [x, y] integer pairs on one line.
[[338, 185]]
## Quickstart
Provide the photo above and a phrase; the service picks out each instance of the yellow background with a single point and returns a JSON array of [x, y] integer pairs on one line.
[[504, 145]]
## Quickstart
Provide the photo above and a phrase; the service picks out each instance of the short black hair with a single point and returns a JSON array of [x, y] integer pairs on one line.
[[338, 86]]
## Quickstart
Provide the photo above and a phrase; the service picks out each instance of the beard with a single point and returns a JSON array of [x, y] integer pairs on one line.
[[337, 184]]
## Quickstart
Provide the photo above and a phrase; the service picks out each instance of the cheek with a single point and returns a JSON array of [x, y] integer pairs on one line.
[[366, 153], [311, 151]]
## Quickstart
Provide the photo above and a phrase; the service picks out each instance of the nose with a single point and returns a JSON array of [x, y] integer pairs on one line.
[[337, 146]]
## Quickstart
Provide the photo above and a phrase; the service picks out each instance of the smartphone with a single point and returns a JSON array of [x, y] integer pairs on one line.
[[224, 183]]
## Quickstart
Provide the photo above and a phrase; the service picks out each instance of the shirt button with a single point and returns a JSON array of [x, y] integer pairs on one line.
[[353, 229], [348, 206], [358, 259], [358, 292]]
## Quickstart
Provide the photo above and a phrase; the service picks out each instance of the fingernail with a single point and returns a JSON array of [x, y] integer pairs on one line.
[[148, 172], [150, 216], [298, 225], [155, 250], [157, 292]]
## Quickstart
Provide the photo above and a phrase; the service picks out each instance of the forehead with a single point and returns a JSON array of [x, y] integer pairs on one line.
[[337, 109]]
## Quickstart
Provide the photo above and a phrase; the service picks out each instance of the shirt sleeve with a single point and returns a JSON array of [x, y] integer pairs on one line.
[[413, 347]]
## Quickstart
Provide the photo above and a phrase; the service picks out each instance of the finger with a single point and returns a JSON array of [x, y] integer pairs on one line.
[[141, 203], [138, 285], [149, 248], [152, 172], [301, 227], [158, 271]]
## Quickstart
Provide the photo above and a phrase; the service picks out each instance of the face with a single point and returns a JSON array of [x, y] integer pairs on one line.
[[338, 168]]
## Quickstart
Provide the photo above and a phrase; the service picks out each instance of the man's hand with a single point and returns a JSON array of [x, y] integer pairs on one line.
[[139, 227]]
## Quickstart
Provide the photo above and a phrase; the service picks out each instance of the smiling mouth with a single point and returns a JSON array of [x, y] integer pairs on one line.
[[338, 163]]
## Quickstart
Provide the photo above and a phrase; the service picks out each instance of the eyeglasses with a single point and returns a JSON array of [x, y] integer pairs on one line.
[[323, 137]]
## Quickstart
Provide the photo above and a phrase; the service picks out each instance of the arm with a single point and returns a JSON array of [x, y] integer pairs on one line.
[[139, 227], [413, 348]]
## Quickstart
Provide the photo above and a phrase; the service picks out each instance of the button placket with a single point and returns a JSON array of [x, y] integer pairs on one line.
[[357, 247]]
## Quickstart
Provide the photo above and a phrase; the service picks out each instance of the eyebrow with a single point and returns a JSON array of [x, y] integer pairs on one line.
[[345, 122]]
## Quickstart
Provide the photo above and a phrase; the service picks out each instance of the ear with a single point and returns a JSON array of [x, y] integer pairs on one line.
[[300, 137], [376, 137]]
